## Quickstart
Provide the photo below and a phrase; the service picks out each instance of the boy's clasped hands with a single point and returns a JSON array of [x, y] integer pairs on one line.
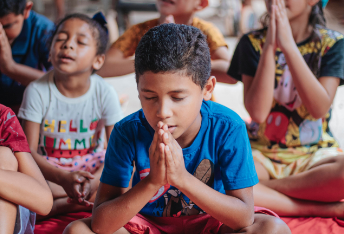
[[166, 159]]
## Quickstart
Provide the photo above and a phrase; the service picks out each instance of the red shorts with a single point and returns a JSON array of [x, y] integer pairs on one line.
[[202, 224]]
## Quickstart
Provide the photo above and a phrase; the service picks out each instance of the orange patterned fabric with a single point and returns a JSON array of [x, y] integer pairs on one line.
[[128, 42]]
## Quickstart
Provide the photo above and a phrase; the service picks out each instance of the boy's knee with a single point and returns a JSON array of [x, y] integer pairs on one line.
[[7, 159], [269, 225], [79, 226]]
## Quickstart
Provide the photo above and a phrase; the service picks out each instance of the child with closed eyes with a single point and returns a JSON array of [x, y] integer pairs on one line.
[[291, 70], [65, 113]]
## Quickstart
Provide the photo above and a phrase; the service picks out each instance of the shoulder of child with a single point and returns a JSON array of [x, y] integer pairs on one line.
[[40, 21], [222, 114]]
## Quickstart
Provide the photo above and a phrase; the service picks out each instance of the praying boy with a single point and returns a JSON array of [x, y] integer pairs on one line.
[[23, 49], [194, 167]]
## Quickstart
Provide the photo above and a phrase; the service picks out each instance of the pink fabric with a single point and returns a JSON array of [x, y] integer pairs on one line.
[[57, 224], [308, 225], [89, 162], [300, 225], [202, 223]]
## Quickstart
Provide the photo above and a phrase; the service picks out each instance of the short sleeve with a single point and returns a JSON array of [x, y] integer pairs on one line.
[[118, 164], [236, 161], [332, 63], [112, 111], [32, 107], [11, 133], [245, 60]]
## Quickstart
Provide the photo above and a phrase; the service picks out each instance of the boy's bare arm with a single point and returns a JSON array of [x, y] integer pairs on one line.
[[116, 64], [22, 73], [219, 65], [115, 206], [236, 209], [29, 181], [18, 72]]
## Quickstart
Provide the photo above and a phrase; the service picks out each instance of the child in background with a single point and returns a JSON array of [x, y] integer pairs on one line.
[[23, 189], [191, 155], [119, 59], [65, 113], [23, 49], [291, 71]]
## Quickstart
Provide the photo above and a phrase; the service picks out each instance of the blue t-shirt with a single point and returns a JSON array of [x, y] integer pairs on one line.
[[29, 48], [220, 156]]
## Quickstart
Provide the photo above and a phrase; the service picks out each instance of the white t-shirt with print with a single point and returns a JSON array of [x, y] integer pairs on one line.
[[70, 126]]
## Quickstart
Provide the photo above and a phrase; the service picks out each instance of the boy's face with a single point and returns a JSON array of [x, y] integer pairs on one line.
[[180, 7], [13, 23], [174, 99]]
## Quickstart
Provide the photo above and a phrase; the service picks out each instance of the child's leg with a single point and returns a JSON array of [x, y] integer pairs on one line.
[[8, 210], [262, 224], [287, 206], [84, 226], [324, 182]]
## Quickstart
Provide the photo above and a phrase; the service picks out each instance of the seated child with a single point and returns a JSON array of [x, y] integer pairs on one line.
[[194, 168], [65, 113], [119, 59], [23, 189], [291, 71], [23, 49]]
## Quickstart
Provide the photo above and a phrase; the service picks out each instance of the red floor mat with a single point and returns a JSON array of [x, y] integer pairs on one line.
[[297, 225]]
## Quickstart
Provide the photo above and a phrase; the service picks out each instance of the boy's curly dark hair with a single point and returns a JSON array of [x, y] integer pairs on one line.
[[174, 48], [99, 31], [12, 6]]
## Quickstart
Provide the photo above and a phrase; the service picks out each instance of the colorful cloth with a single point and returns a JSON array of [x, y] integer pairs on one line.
[[279, 169], [30, 48], [70, 126], [128, 42], [89, 162], [203, 224], [290, 133], [11, 133], [220, 156]]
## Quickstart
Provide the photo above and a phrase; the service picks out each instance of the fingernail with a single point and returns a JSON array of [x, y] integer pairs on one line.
[[167, 148]]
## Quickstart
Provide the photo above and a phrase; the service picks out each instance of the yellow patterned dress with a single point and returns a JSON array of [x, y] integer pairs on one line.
[[291, 141], [128, 42]]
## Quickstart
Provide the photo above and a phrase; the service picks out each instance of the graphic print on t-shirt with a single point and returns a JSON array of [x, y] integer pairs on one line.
[[289, 124], [64, 144], [177, 204]]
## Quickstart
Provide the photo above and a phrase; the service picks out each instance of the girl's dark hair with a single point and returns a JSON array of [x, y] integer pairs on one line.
[[99, 30], [316, 19]]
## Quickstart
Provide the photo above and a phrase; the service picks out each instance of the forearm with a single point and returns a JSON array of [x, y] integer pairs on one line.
[[307, 84], [23, 74], [24, 190], [111, 215], [219, 69], [229, 210], [258, 98], [117, 67], [49, 172]]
